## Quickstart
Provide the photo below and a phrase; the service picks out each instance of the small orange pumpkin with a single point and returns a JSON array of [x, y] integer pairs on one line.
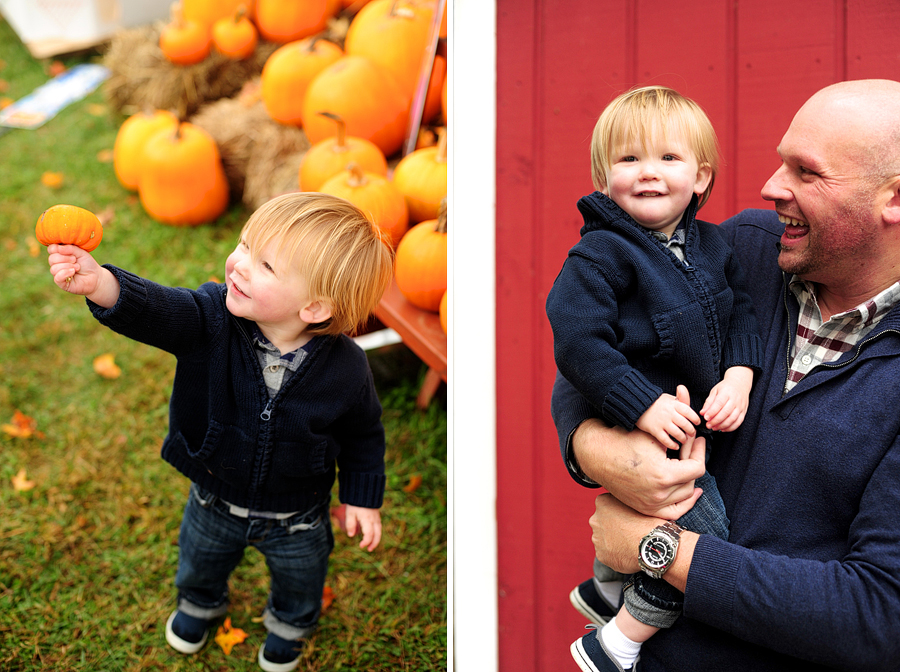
[[394, 34], [327, 158], [183, 182], [184, 42], [235, 36], [375, 196], [69, 225], [288, 20], [433, 94], [422, 178], [420, 267], [287, 74], [366, 98], [128, 149]]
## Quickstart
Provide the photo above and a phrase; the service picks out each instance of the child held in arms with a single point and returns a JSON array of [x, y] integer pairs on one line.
[[651, 323], [270, 399]]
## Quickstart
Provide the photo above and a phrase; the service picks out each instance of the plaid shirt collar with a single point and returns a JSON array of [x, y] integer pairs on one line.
[[817, 342]]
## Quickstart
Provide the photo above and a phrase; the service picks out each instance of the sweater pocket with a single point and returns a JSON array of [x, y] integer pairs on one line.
[[223, 453], [294, 461]]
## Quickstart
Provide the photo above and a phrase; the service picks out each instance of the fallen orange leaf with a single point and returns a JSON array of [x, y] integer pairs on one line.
[[53, 180], [227, 637], [414, 482], [34, 247], [105, 366], [22, 427], [21, 483], [6, 102], [327, 597], [56, 68], [96, 109], [105, 156]]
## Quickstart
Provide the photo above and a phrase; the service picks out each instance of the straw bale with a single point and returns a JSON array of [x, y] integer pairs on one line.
[[261, 157], [142, 78]]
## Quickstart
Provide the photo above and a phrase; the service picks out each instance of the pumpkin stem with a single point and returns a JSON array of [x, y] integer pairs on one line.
[[441, 226], [240, 13], [357, 176], [441, 156], [339, 145], [177, 14]]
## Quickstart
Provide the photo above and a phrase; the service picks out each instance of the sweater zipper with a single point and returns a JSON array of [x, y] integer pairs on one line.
[[266, 414]]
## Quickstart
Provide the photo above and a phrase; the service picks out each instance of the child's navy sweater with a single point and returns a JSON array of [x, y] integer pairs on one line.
[[225, 434]]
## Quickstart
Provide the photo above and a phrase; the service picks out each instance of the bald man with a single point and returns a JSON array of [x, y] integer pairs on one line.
[[810, 577]]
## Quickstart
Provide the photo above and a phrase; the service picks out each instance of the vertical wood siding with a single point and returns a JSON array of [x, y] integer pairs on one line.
[[750, 64]]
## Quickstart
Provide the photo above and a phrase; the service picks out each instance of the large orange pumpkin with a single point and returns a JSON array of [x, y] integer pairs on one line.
[[433, 94], [365, 97], [329, 157], [375, 196], [128, 149], [184, 42], [288, 20], [288, 73], [420, 267], [183, 182], [394, 34], [69, 225], [235, 36], [422, 178], [442, 312]]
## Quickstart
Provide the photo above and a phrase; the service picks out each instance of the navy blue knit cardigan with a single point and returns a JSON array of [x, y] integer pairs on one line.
[[225, 434], [631, 320]]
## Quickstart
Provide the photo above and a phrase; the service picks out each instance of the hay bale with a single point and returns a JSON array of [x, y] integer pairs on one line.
[[142, 78], [261, 157]]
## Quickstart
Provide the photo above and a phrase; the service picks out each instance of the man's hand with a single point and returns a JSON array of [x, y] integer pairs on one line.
[[635, 469], [617, 530]]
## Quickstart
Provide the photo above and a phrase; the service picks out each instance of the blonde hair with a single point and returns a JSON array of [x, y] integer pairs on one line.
[[345, 260], [636, 114]]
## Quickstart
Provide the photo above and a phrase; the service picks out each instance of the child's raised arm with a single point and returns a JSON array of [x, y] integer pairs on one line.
[[76, 271]]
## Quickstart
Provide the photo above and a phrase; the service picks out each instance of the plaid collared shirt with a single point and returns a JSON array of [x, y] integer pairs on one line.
[[276, 368], [816, 343]]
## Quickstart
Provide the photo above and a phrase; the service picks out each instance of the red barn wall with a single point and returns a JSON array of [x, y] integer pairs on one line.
[[750, 64]]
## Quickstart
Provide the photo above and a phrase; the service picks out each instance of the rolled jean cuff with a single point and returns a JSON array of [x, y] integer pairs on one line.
[[284, 630], [206, 613], [648, 613]]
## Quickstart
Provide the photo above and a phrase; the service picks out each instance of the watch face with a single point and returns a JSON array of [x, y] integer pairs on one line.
[[657, 551]]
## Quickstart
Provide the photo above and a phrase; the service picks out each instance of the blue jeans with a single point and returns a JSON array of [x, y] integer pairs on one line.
[[653, 601], [212, 542]]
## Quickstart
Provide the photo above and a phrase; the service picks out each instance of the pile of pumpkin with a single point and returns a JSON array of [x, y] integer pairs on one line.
[[353, 102]]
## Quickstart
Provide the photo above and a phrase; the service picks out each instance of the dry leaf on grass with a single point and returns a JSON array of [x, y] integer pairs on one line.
[[52, 180], [22, 427], [327, 598], [105, 366], [414, 482], [227, 637], [21, 483]]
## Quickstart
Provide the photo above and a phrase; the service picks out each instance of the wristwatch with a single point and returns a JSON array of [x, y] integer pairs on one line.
[[657, 550]]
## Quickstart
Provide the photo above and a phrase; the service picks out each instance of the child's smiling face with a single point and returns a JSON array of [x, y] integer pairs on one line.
[[654, 184], [264, 288]]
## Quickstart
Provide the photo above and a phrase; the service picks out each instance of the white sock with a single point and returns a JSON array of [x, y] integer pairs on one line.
[[610, 591], [619, 646]]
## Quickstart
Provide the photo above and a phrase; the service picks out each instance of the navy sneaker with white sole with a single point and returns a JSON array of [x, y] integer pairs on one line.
[[186, 634], [590, 604], [280, 655], [591, 655]]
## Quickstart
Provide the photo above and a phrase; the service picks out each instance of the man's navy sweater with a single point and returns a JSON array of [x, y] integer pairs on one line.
[[810, 577], [225, 434]]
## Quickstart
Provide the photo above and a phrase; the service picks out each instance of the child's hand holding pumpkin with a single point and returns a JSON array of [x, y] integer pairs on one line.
[[77, 272]]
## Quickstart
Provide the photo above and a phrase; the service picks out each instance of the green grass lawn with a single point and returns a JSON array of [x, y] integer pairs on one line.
[[88, 555]]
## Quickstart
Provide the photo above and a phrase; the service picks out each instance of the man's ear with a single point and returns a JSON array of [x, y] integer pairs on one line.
[[315, 312], [890, 211]]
